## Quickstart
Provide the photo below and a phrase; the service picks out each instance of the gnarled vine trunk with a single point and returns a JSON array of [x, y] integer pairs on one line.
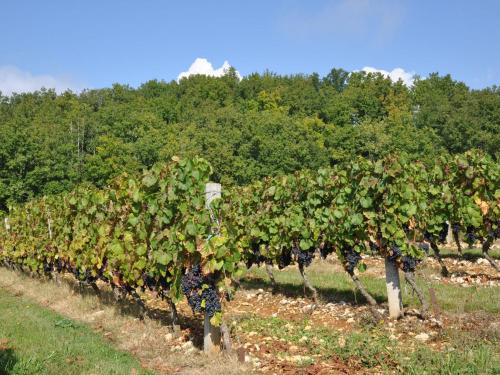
[[457, 241], [486, 248], [410, 279], [362, 289], [270, 273], [307, 284], [174, 317], [435, 249]]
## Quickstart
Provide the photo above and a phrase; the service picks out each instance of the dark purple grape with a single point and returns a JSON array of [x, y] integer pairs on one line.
[[470, 236], [47, 268], [285, 259], [443, 233], [326, 249], [395, 253], [351, 259], [149, 281], [255, 256], [409, 263], [304, 257], [374, 247], [428, 236], [424, 246], [192, 286], [191, 283], [212, 301], [494, 233]]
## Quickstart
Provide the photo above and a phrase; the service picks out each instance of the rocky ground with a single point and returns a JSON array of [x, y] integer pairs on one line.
[[284, 332], [279, 333]]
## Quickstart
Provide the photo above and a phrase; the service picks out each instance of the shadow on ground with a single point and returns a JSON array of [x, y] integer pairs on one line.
[[471, 257], [325, 294], [8, 360]]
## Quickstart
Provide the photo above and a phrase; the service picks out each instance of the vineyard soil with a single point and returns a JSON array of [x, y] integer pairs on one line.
[[284, 333]]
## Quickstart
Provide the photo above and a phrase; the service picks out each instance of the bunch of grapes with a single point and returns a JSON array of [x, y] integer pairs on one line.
[[212, 300], [455, 228], [395, 253], [200, 290], [374, 247], [351, 259], [470, 237], [443, 233], [255, 257], [428, 236], [47, 268], [304, 258], [495, 233], [326, 249], [191, 283], [60, 265], [409, 263], [163, 283], [84, 276], [285, 259], [424, 246], [149, 281]]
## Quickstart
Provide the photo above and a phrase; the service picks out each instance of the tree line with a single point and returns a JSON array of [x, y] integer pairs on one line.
[[263, 125]]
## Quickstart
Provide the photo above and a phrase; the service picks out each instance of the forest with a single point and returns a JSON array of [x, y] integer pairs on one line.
[[261, 125]]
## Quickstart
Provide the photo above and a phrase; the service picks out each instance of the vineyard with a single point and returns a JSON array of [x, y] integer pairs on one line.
[[162, 232]]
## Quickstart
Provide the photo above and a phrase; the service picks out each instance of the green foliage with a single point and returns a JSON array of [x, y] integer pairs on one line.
[[390, 202], [139, 232], [463, 119], [146, 231], [263, 125], [464, 190]]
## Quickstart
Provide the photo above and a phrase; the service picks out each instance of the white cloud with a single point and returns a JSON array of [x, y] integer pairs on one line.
[[395, 74], [204, 67], [15, 80]]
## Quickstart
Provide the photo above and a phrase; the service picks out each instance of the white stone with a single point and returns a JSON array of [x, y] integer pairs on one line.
[[422, 337], [187, 345], [169, 337]]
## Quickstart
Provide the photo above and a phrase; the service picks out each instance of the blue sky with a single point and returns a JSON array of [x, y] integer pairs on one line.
[[96, 43]]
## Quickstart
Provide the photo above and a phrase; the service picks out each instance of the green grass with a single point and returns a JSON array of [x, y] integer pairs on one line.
[[34, 340], [337, 286], [370, 348]]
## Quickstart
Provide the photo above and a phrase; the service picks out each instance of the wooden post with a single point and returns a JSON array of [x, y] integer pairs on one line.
[[7, 225], [212, 191], [393, 289], [212, 334], [449, 236], [50, 228], [49, 223]]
